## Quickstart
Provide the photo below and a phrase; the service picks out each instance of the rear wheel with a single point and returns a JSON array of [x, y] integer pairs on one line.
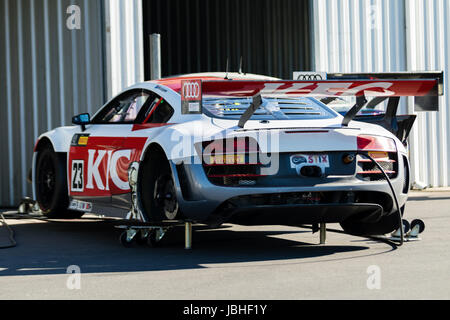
[[385, 225], [51, 185], [158, 192]]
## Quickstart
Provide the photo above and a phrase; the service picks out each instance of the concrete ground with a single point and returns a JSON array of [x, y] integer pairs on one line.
[[232, 262]]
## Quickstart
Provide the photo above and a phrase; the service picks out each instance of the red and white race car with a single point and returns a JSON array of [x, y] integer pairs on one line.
[[246, 149]]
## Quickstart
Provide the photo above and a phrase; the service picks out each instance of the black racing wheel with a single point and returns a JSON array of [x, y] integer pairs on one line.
[[51, 186], [165, 197], [158, 194]]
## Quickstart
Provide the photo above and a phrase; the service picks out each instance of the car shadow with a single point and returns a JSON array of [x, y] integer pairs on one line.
[[50, 247], [426, 198]]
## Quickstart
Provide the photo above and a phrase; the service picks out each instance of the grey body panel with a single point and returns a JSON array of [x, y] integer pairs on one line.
[[206, 197]]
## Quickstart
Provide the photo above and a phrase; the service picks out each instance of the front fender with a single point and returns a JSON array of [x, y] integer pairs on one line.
[[60, 138]]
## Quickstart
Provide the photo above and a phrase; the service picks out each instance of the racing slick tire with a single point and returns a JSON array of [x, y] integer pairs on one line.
[[158, 192], [385, 225], [51, 186]]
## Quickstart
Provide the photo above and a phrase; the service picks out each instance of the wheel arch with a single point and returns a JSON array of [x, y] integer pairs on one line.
[[152, 148], [42, 143], [156, 150]]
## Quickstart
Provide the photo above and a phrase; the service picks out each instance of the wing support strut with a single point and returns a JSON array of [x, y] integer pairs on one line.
[[257, 102]]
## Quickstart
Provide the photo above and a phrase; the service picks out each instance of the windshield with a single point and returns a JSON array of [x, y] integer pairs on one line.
[[272, 108]]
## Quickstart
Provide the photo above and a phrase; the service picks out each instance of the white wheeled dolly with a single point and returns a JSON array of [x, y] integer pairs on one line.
[[152, 234], [411, 231]]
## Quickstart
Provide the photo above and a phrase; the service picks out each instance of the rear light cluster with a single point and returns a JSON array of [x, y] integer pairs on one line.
[[232, 162], [383, 151]]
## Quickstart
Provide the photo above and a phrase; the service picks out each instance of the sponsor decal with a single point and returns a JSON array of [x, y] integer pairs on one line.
[[320, 88], [298, 161], [191, 90], [308, 76], [96, 158], [100, 168], [191, 96], [80, 205], [77, 184]]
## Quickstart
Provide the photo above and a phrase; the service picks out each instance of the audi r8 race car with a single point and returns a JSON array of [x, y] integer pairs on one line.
[[245, 149]]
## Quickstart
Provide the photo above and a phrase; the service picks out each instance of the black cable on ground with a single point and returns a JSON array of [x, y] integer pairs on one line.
[[385, 240], [400, 218]]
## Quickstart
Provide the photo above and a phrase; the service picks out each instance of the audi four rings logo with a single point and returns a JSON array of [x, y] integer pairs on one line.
[[308, 77], [191, 90]]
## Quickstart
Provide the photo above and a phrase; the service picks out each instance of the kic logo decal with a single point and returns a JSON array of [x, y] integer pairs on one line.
[[329, 89], [103, 167], [93, 172]]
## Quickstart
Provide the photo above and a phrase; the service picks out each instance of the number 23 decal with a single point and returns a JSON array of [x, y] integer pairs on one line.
[[77, 176]]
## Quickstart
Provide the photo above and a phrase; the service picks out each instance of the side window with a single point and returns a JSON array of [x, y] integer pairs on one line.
[[159, 111], [124, 109]]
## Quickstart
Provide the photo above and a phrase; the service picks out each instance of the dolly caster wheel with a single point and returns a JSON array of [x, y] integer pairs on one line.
[[152, 242], [417, 227], [26, 206], [126, 238], [141, 237], [406, 226], [155, 237], [419, 224]]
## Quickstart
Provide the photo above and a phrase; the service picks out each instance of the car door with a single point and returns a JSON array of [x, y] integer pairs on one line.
[[98, 161]]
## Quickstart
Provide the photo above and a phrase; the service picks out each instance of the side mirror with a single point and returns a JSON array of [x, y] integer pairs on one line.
[[82, 120]]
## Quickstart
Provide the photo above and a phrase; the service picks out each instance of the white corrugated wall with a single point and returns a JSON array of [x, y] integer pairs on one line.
[[49, 72], [124, 44], [392, 35]]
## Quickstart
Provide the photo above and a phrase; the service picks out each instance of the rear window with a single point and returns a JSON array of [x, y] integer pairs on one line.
[[273, 108]]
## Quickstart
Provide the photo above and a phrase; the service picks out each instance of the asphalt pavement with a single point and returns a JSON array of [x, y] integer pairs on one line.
[[232, 262]]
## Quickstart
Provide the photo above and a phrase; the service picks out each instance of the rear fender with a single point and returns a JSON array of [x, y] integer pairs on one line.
[[400, 126]]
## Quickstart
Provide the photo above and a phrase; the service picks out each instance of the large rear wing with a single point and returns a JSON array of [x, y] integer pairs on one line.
[[428, 102], [426, 87]]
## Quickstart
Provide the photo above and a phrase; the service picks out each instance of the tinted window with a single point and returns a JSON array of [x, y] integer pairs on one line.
[[159, 111], [272, 108], [124, 109]]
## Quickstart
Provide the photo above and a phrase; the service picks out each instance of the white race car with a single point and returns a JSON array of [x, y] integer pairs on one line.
[[245, 149]]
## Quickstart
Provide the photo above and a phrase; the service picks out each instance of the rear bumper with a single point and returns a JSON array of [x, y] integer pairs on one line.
[[202, 201]]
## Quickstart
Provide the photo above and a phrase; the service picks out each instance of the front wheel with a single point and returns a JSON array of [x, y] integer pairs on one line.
[[51, 186]]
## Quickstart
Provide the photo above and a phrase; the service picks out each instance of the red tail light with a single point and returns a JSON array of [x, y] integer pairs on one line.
[[230, 146], [231, 161], [383, 151], [376, 143]]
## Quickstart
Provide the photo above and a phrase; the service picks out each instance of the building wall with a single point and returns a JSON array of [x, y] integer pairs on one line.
[[271, 36], [386, 35], [48, 72], [124, 44]]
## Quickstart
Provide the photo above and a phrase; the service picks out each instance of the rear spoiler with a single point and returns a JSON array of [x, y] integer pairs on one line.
[[425, 87]]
